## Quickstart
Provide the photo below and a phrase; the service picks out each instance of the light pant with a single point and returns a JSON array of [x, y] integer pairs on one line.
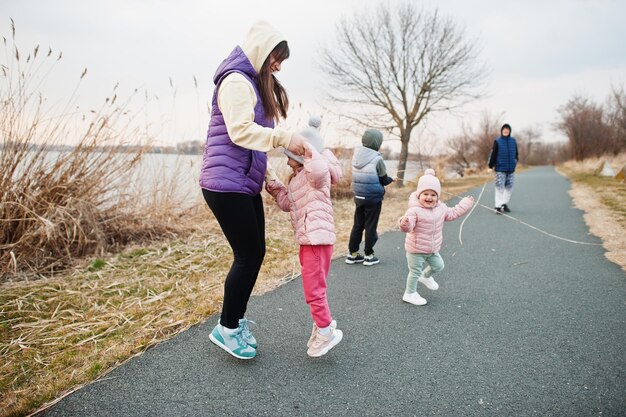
[[504, 187], [416, 261]]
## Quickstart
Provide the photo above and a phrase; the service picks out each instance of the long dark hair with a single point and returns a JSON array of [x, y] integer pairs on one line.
[[273, 95]]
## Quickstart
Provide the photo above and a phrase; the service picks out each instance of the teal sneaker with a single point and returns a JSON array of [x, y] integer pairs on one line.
[[246, 334], [232, 343]]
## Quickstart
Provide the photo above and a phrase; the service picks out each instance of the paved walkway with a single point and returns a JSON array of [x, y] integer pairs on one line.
[[523, 325]]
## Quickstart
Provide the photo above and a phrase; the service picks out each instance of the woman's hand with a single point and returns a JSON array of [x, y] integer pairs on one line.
[[297, 144]]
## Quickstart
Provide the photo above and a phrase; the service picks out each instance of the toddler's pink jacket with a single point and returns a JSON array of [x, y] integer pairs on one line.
[[307, 198], [425, 225]]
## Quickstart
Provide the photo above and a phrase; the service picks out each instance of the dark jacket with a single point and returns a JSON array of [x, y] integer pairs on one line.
[[504, 154]]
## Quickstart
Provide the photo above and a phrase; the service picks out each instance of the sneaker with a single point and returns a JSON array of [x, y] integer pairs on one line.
[[429, 282], [322, 343], [246, 334], [354, 258], [414, 298], [232, 343], [370, 260], [506, 208], [333, 324], [498, 210]]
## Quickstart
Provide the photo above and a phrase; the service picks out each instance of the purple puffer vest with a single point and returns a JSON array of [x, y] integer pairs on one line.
[[227, 167]]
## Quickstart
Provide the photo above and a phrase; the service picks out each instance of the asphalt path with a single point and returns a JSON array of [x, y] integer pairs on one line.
[[523, 324]]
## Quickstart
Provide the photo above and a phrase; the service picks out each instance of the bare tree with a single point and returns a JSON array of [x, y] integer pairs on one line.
[[548, 153], [583, 123], [616, 117], [471, 149], [488, 131], [527, 140], [392, 67], [462, 147]]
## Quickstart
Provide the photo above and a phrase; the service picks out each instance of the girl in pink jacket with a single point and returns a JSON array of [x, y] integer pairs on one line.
[[307, 199], [423, 223]]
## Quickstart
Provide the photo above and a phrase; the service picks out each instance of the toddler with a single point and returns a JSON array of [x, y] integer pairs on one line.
[[307, 198], [423, 224]]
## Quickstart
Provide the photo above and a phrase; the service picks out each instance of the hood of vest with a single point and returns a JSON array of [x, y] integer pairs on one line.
[[363, 156]]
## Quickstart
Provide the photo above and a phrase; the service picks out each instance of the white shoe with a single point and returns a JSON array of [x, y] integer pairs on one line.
[[322, 343], [429, 282], [333, 325], [414, 298]]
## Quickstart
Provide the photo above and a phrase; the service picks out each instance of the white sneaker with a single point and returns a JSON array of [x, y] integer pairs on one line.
[[322, 343], [430, 283], [333, 325], [414, 298]]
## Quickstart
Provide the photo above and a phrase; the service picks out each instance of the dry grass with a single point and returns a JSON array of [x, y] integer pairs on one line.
[[83, 324], [58, 205], [603, 199]]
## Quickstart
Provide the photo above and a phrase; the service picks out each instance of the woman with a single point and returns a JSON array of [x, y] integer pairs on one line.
[[247, 101]]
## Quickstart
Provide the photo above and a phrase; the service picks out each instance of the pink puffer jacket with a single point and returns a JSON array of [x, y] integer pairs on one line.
[[424, 226], [307, 198]]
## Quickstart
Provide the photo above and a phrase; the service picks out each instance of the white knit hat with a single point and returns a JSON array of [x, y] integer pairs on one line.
[[428, 181], [313, 138], [315, 121]]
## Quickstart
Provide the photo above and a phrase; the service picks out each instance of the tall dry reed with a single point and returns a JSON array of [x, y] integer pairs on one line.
[[59, 202]]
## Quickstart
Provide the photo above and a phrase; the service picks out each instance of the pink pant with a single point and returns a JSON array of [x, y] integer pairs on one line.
[[315, 261]]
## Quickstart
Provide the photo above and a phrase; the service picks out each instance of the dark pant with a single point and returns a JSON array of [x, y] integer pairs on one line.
[[242, 220], [365, 218]]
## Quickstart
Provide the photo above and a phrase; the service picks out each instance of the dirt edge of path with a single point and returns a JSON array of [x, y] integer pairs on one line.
[[602, 223]]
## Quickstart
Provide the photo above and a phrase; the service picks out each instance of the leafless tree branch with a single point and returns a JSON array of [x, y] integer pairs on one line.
[[394, 66]]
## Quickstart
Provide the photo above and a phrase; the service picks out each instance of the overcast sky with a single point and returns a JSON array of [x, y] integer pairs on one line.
[[539, 52]]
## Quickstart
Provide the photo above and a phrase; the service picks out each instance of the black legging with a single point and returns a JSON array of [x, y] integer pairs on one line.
[[242, 220]]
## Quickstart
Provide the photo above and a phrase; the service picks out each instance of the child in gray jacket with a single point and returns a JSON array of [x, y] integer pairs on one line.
[[369, 179]]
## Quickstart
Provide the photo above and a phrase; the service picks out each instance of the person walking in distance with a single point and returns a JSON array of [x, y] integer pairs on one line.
[[369, 179], [247, 101], [503, 159]]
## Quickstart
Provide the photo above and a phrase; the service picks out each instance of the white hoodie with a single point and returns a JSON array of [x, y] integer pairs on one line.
[[236, 97]]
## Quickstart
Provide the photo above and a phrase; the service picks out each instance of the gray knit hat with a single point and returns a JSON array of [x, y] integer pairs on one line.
[[315, 140], [315, 121]]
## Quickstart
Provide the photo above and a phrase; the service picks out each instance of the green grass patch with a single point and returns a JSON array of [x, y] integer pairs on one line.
[[94, 370], [96, 265], [135, 253]]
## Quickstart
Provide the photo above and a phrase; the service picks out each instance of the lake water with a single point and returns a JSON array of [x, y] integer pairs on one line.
[[176, 176], [180, 173]]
